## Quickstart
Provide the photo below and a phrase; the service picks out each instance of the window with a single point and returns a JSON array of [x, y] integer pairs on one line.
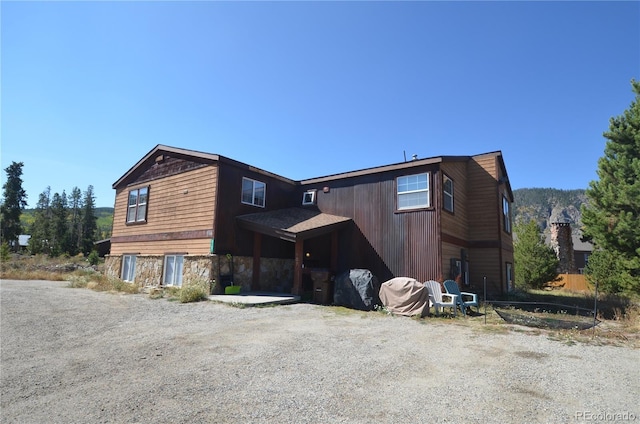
[[173, 270], [253, 192], [506, 215], [413, 191], [137, 207], [447, 193], [128, 267], [309, 197]]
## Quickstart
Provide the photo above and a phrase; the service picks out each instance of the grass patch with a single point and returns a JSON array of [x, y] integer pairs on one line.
[[42, 267], [193, 293], [100, 282]]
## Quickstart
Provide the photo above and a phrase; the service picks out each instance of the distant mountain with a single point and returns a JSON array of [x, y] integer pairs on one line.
[[549, 205]]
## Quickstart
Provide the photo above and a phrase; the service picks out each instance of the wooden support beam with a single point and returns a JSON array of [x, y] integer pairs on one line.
[[257, 252], [297, 268], [334, 251]]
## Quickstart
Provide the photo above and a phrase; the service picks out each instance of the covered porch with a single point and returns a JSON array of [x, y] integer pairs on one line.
[[294, 225]]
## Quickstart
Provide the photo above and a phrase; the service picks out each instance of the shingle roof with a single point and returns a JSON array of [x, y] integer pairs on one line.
[[292, 224]]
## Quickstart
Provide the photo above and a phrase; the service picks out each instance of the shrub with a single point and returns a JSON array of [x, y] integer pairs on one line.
[[100, 282], [93, 258], [192, 293], [4, 252]]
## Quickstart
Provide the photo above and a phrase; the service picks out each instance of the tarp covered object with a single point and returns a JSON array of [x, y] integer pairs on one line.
[[404, 296], [356, 289]]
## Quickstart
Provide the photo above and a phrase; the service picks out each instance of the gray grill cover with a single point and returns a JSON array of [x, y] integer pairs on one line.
[[356, 289], [405, 296]]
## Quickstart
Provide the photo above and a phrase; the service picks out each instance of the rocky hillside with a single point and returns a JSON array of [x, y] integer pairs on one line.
[[547, 205]]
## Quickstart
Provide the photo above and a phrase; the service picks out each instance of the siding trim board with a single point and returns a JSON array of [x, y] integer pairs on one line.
[[177, 235]]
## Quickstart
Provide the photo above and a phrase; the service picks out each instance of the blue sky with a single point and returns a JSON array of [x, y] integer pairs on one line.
[[307, 89]]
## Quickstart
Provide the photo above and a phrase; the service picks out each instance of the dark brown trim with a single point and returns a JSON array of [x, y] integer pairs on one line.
[[178, 235], [485, 244], [467, 244], [448, 238]]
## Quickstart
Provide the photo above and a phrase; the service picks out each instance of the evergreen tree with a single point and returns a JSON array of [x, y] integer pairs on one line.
[[14, 200], [89, 222], [536, 264], [41, 228], [75, 221], [59, 225], [610, 219]]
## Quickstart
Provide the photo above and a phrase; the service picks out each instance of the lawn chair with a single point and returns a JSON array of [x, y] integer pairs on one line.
[[464, 299], [438, 299]]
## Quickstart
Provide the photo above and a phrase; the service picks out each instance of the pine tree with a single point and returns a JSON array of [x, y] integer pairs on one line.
[[536, 264], [14, 200], [89, 222], [59, 225], [41, 228], [610, 219], [75, 221]]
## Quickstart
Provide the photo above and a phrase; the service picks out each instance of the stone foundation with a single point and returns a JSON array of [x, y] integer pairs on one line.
[[275, 274]]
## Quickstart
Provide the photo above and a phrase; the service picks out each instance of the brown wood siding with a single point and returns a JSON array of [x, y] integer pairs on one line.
[[484, 263], [382, 240], [230, 238], [449, 251], [457, 223], [483, 203], [181, 202]]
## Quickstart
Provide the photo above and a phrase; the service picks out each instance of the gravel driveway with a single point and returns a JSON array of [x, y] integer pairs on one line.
[[79, 356]]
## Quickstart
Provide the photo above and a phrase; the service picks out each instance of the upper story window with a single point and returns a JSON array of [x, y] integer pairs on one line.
[[506, 214], [413, 191], [447, 193], [253, 192], [137, 206]]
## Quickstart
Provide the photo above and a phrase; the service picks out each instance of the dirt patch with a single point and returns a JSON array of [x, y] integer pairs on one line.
[[75, 355]]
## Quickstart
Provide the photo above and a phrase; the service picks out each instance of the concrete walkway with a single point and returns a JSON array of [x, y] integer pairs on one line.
[[256, 298]]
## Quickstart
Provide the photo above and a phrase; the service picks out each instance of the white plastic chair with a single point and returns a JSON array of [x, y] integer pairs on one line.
[[437, 298], [464, 299]]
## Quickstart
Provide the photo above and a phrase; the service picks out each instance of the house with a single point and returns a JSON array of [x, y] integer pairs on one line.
[[23, 242], [187, 217], [572, 252]]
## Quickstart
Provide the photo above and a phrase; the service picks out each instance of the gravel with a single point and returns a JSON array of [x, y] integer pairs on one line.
[[79, 356]]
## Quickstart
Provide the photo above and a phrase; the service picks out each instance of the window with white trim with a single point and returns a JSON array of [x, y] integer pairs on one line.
[[137, 205], [447, 193], [173, 270], [253, 192], [413, 191], [128, 268]]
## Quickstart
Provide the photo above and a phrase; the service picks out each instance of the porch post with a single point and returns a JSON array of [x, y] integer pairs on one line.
[[257, 252], [297, 268], [334, 251]]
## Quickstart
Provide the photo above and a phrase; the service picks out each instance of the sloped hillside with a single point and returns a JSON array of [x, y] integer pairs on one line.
[[547, 205]]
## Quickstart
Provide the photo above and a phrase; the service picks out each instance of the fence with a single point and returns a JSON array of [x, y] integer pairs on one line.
[[573, 282]]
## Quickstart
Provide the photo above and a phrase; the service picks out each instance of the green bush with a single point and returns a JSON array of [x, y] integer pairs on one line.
[[4, 252], [93, 258]]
